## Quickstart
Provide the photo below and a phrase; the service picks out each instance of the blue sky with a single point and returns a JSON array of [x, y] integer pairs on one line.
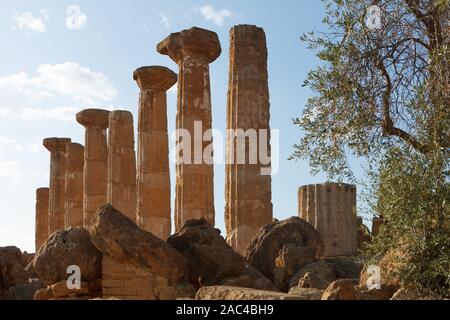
[[59, 57]]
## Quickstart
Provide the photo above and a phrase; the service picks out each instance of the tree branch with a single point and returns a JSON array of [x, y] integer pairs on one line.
[[388, 125]]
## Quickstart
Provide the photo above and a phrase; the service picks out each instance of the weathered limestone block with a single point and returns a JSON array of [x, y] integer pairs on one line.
[[66, 248], [57, 148], [153, 199], [237, 293], [248, 192], [128, 282], [211, 261], [122, 163], [74, 185], [265, 247], [193, 50], [331, 209], [42, 234], [96, 122]]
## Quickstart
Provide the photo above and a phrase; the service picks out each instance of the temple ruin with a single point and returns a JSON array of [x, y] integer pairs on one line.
[[153, 195], [248, 193], [331, 209], [108, 170], [74, 185], [193, 50], [96, 122]]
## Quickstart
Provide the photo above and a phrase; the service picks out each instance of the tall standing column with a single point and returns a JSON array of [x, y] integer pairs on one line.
[[248, 191], [122, 163], [74, 185], [57, 148], [153, 205], [331, 209], [95, 160], [41, 221], [193, 50]]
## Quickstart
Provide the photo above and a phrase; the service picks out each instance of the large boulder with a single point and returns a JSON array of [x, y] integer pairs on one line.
[[322, 273], [24, 291], [265, 247], [66, 248], [12, 268], [123, 241], [211, 261], [389, 265], [343, 289], [237, 293], [290, 259]]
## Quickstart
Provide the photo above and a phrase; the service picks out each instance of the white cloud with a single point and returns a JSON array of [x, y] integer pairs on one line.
[[165, 20], [10, 144], [217, 16], [26, 21], [58, 113], [66, 79], [75, 19]]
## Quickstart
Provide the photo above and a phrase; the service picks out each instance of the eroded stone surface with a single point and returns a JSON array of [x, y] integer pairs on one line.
[[74, 185], [238, 293], [119, 238], [41, 231], [122, 163], [248, 193], [153, 199], [96, 122], [57, 148], [211, 261], [331, 209], [265, 247], [66, 248], [193, 50]]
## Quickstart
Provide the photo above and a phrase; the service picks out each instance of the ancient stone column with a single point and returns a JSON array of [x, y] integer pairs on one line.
[[193, 50], [57, 148], [376, 225], [153, 205], [248, 192], [331, 209], [95, 160], [122, 163], [41, 231], [74, 185]]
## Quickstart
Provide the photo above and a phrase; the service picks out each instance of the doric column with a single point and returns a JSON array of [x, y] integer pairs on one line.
[[95, 160], [41, 221], [331, 209], [74, 185], [376, 225], [193, 50], [57, 148], [153, 205], [248, 200], [122, 163]]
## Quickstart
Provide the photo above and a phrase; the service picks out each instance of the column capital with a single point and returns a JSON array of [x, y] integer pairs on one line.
[[121, 115], [155, 77], [94, 118], [42, 191], [56, 144], [193, 43], [74, 146]]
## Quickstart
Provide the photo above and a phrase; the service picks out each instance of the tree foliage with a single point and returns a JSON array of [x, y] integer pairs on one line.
[[383, 94], [377, 88]]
